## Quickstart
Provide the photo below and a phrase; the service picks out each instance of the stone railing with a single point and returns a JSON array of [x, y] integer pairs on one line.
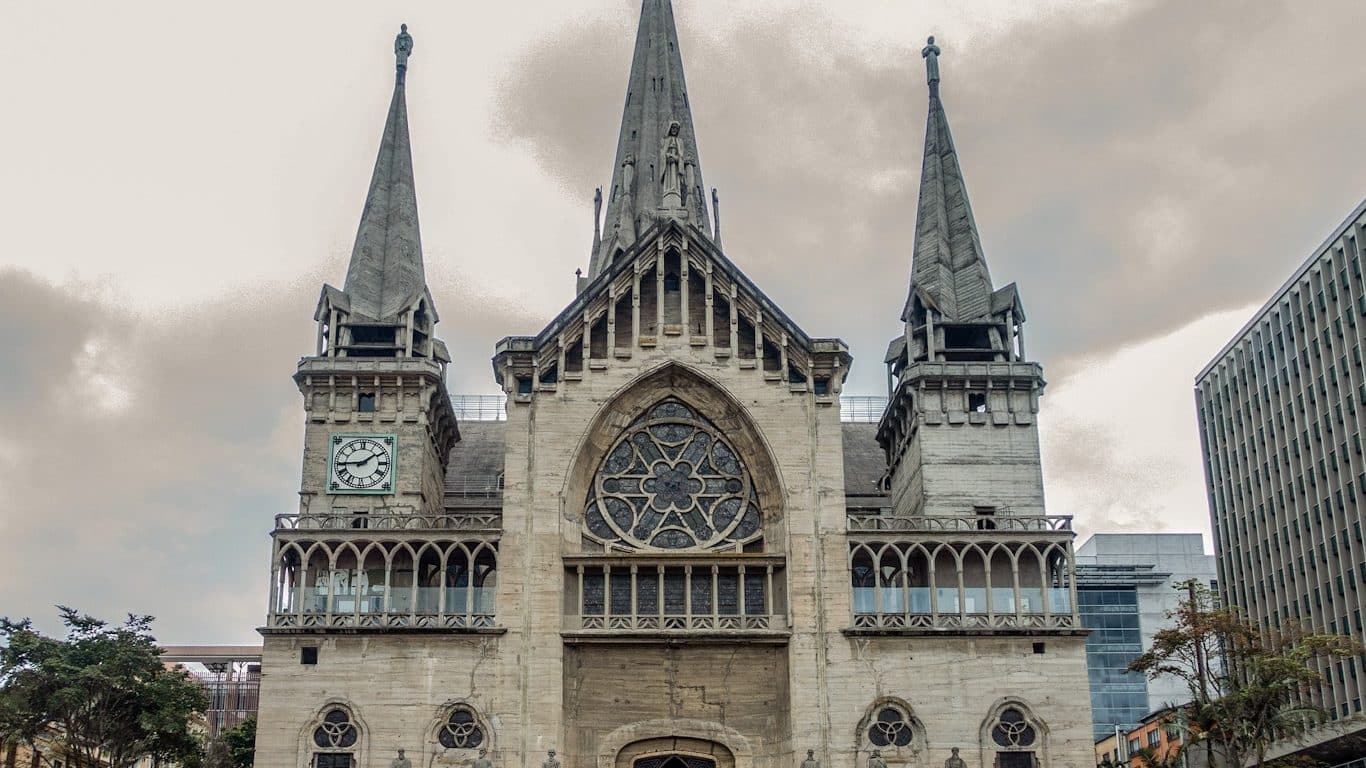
[[968, 622], [389, 521], [723, 595], [960, 524]]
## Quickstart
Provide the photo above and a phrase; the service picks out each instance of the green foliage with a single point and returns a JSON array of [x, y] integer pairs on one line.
[[102, 692], [241, 743], [1248, 687]]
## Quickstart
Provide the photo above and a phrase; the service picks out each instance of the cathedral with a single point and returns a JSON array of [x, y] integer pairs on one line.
[[673, 552]]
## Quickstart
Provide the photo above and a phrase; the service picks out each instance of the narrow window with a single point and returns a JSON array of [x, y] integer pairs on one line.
[[366, 402], [977, 402], [308, 656], [985, 515], [1039, 648], [523, 385]]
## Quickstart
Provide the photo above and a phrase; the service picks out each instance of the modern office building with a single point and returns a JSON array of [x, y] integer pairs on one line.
[[1281, 412], [1127, 584]]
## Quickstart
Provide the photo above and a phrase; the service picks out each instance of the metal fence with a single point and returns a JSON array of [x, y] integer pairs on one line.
[[864, 409]]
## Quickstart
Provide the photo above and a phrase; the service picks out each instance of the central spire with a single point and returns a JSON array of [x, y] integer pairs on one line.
[[656, 173]]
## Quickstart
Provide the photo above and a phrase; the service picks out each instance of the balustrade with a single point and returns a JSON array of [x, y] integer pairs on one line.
[[676, 595]]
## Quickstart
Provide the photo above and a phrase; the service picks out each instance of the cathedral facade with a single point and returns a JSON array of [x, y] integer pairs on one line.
[[672, 553]]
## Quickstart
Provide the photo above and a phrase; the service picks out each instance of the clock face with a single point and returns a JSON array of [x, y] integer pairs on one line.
[[362, 464]]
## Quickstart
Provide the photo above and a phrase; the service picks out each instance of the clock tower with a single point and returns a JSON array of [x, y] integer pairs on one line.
[[379, 422]]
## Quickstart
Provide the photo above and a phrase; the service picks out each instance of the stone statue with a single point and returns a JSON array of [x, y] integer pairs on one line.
[[931, 55], [811, 761], [400, 761], [403, 46], [671, 161], [483, 760], [875, 760], [550, 761], [955, 761]]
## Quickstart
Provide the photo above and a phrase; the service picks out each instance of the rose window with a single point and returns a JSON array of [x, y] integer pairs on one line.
[[1012, 730], [890, 729], [672, 481], [461, 731], [336, 731]]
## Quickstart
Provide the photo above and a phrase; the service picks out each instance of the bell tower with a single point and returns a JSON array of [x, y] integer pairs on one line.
[[380, 425], [960, 431]]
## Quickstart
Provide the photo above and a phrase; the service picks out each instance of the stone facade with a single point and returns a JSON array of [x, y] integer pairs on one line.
[[672, 554]]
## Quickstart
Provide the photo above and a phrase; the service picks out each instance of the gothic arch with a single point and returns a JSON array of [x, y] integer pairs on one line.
[[709, 401], [702, 738], [359, 750], [1030, 733], [877, 726]]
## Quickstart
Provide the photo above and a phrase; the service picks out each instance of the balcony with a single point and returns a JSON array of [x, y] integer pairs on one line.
[[970, 574], [674, 597], [356, 523]]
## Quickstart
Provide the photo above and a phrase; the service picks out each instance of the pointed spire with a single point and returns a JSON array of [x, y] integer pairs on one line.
[[656, 172], [386, 275], [947, 264]]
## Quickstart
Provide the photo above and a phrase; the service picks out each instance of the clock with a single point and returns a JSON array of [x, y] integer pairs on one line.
[[361, 463]]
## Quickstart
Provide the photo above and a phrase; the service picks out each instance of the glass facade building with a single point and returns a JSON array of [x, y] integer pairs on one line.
[[1282, 409], [1119, 698]]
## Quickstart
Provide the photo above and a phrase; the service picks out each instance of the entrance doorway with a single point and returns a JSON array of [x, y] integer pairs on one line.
[[674, 761]]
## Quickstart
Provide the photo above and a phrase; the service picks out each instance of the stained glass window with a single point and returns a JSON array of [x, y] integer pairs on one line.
[[335, 731], [461, 730], [673, 481], [1012, 730], [890, 728]]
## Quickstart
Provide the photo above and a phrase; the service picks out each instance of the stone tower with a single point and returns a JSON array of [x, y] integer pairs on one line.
[[673, 552]]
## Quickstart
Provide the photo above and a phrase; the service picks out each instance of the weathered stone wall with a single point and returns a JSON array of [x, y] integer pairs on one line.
[[623, 688]]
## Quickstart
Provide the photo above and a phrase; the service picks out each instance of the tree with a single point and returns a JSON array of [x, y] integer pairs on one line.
[[102, 693], [241, 743], [1249, 688]]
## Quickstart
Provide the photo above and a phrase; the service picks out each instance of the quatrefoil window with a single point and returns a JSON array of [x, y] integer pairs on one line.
[[673, 481], [890, 728], [336, 731], [1012, 730], [461, 731]]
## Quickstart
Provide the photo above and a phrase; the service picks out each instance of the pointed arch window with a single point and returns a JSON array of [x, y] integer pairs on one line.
[[672, 481], [1012, 730], [891, 728]]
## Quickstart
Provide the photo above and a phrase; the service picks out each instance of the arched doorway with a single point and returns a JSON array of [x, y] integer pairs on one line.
[[674, 761]]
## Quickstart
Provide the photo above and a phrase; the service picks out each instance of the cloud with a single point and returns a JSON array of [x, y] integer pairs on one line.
[[1115, 161], [144, 458]]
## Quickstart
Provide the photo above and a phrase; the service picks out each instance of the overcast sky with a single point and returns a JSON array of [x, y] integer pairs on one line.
[[181, 178]]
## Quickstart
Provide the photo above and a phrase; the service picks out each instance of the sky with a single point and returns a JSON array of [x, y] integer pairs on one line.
[[181, 179]]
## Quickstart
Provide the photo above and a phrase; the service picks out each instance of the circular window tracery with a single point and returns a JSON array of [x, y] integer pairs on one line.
[[336, 731], [673, 481], [1012, 730], [890, 728], [461, 730]]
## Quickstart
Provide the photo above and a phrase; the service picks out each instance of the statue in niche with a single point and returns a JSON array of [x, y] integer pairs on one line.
[[403, 46], [671, 161], [550, 761], [811, 761], [483, 760], [955, 761], [400, 761], [875, 760]]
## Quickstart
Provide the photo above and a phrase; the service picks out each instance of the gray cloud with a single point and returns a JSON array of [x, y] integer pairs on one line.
[[1132, 172], [143, 459]]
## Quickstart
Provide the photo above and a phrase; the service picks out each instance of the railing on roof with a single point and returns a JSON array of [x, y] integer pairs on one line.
[[862, 409], [475, 486], [479, 407]]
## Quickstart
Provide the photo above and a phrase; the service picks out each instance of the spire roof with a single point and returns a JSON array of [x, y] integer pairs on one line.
[[947, 264], [386, 275], [653, 176]]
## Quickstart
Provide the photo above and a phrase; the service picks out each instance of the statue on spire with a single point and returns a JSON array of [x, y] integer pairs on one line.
[[403, 48], [671, 161], [931, 55]]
